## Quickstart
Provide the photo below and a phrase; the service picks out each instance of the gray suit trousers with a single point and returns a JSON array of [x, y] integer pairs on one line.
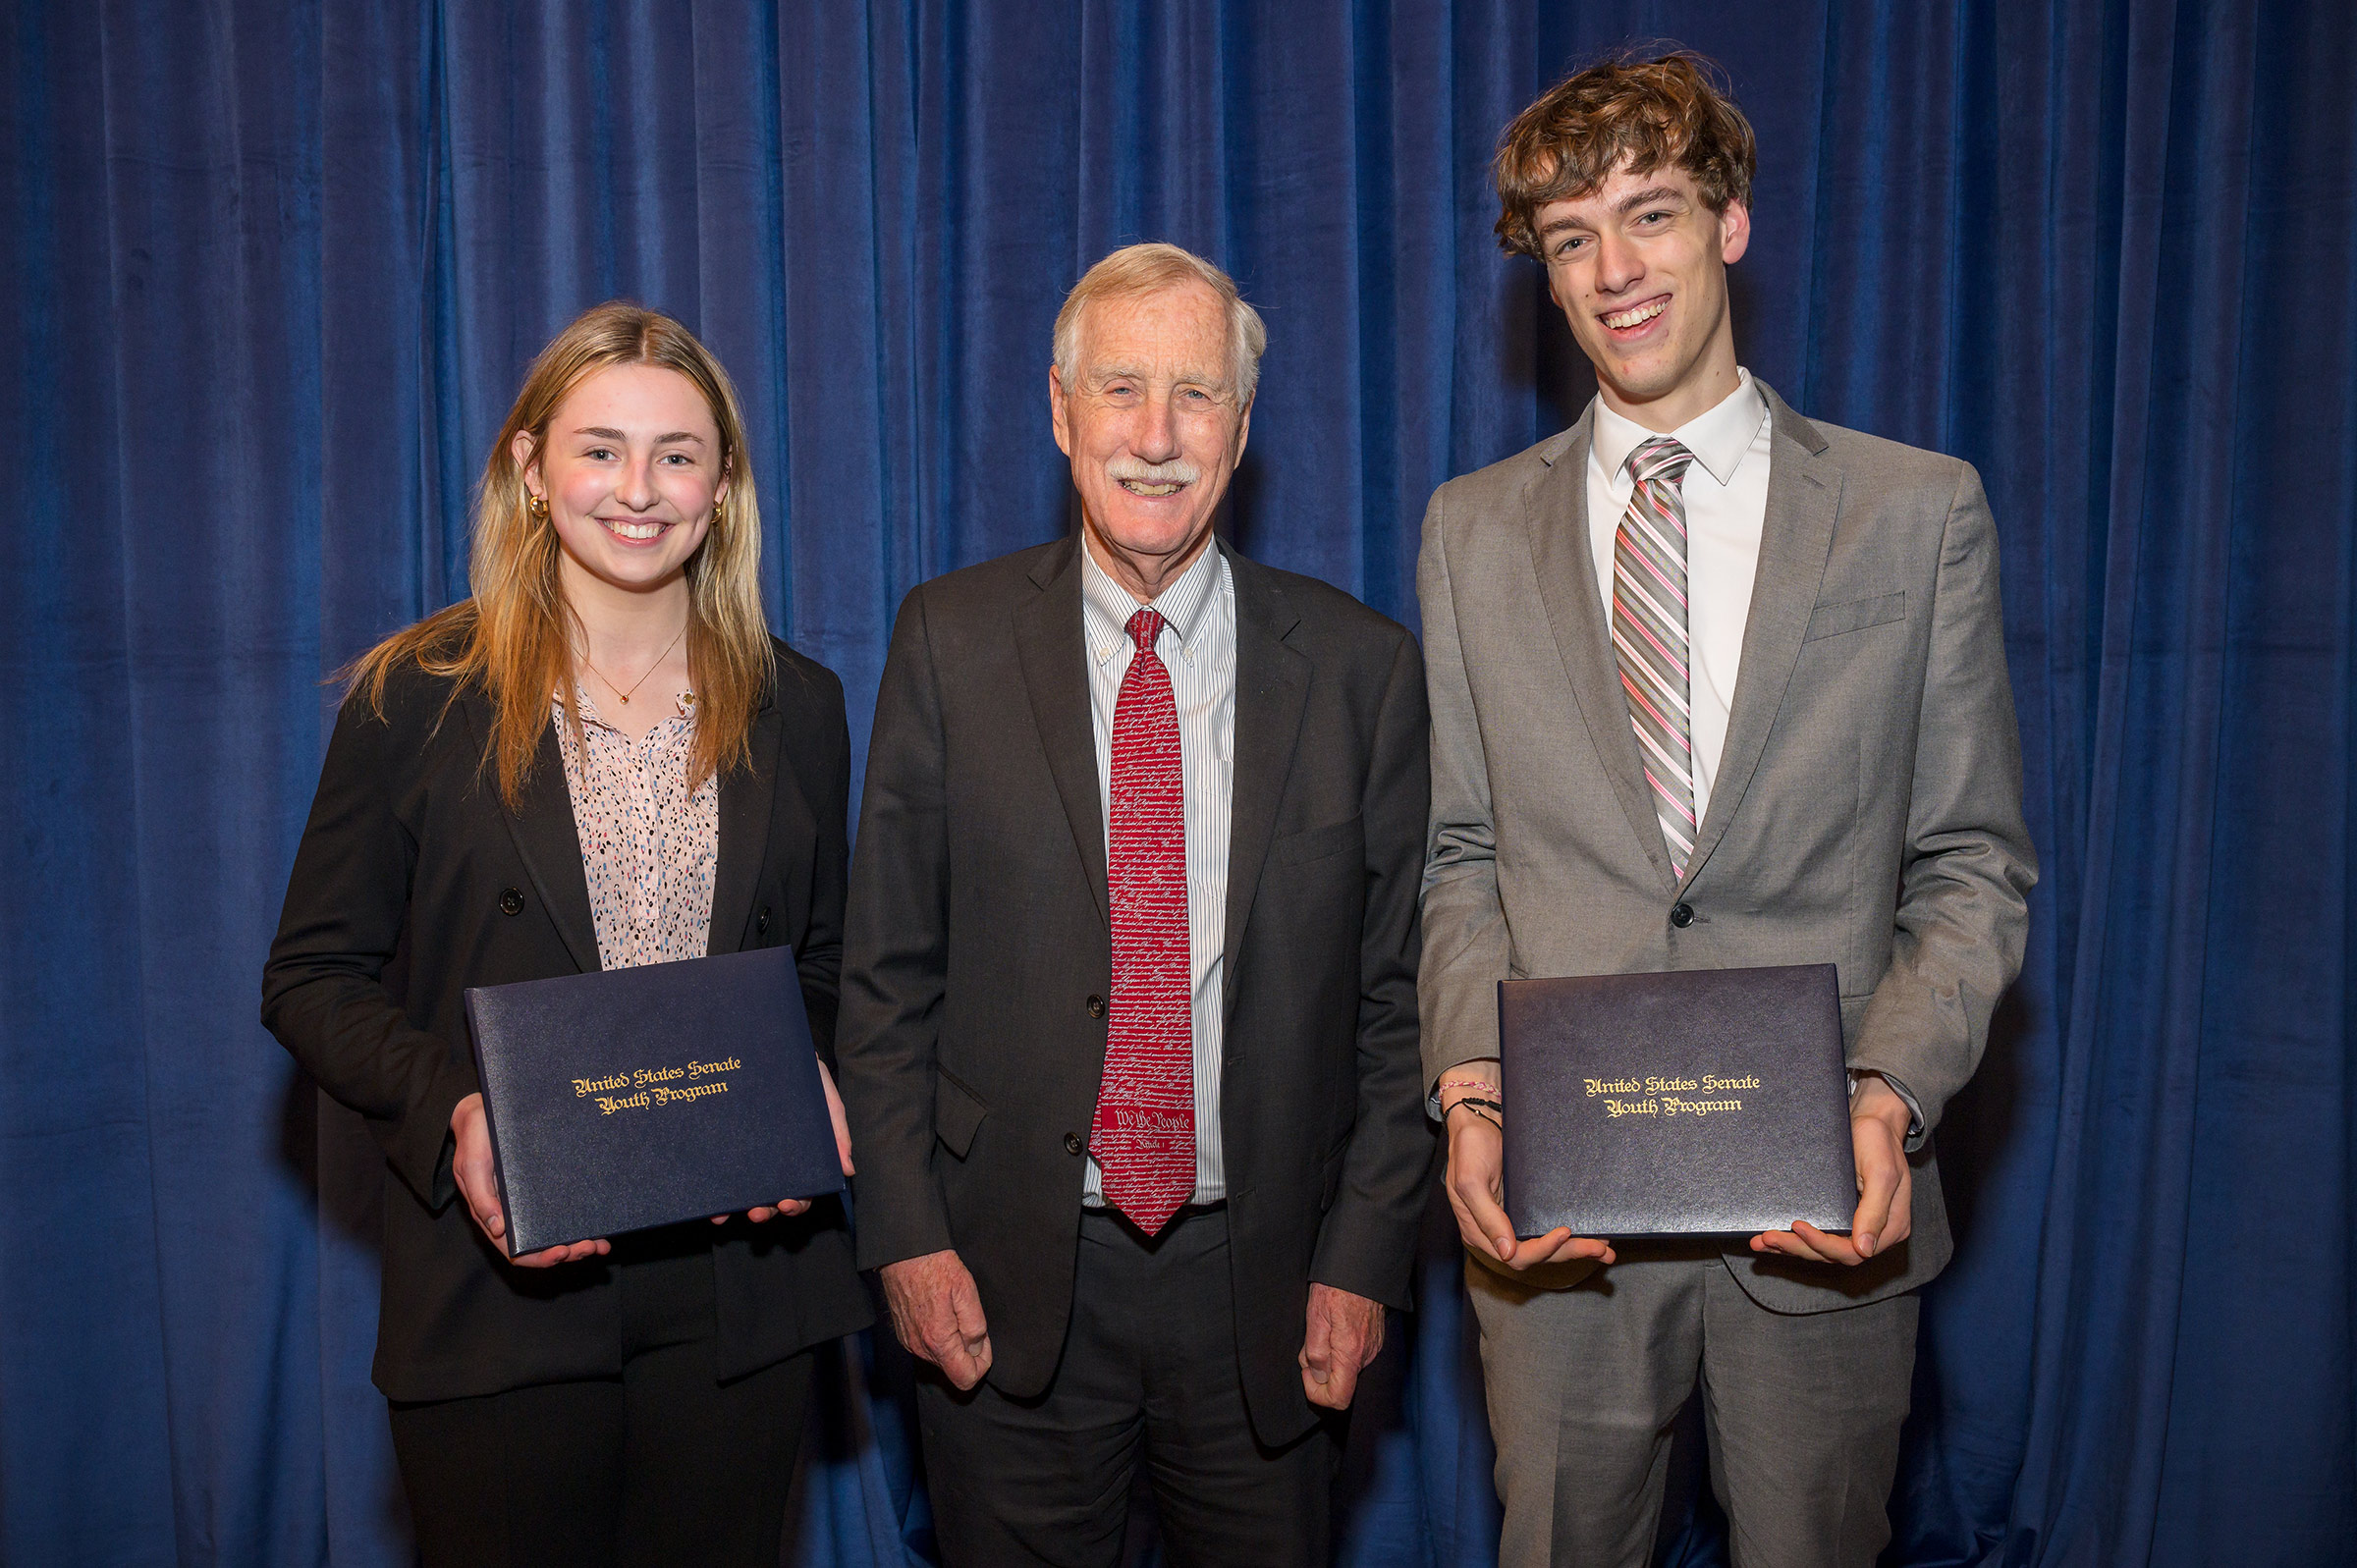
[[1584, 1384]]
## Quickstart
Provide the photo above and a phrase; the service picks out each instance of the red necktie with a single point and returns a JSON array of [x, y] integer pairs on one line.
[[1143, 1137]]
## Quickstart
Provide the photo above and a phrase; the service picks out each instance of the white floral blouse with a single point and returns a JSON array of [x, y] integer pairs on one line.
[[648, 844]]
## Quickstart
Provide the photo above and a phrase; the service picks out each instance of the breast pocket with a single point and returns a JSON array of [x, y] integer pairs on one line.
[[1856, 615]]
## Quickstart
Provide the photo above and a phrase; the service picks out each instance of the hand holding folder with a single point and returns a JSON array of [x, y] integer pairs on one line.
[[1885, 1214], [476, 1171], [628, 1099], [842, 1124], [1476, 1184], [1692, 1102]]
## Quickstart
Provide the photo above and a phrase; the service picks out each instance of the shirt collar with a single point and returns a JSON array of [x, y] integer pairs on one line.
[[1719, 437], [1109, 606]]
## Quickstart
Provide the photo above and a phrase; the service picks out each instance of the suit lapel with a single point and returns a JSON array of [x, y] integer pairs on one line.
[[1797, 537], [1049, 640], [549, 843], [746, 795], [1554, 515], [1272, 686]]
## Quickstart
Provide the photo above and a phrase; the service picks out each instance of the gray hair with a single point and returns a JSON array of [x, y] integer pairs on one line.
[[1143, 269]]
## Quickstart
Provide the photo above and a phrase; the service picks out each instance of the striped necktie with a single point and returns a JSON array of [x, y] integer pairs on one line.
[[1649, 635]]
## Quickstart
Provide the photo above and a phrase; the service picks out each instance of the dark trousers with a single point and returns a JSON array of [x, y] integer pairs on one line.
[[663, 1464], [1148, 1373]]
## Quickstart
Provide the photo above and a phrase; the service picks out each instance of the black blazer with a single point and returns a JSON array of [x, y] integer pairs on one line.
[[979, 954], [413, 881]]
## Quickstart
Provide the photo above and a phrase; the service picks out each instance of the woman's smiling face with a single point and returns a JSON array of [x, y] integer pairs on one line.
[[631, 469]]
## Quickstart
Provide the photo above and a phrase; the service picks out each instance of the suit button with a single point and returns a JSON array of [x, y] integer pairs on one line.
[[1072, 1144], [1096, 1009], [511, 902], [1681, 914], [761, 922]]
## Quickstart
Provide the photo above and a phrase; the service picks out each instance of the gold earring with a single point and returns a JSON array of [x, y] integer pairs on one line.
[[536, 505], [717, 514]]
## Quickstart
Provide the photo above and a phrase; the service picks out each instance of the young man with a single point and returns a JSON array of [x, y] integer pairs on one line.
[[1712, 686]]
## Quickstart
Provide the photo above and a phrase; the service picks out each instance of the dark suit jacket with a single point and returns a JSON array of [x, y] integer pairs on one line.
[[979, 955], [398, 902]]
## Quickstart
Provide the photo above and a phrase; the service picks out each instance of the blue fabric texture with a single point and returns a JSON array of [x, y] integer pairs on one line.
[[274, 269]]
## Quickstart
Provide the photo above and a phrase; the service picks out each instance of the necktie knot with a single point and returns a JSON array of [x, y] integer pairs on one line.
[[1144, 628], [1662, 459]]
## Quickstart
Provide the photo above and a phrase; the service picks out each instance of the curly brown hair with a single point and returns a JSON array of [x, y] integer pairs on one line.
[[1670, 110]]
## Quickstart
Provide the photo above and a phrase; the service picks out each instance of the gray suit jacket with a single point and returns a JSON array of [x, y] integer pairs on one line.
[[978, 956], [1867, 810]]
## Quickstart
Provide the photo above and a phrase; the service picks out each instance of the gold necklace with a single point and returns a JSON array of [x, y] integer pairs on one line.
[[641, 680]]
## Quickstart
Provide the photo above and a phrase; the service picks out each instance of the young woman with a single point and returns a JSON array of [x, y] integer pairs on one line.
[[600, 759]]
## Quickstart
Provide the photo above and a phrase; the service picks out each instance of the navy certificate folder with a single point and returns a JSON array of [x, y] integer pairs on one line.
[[1710, 1101], [632, 1097]]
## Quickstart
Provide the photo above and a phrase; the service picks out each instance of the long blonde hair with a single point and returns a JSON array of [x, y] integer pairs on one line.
[[511, 638]]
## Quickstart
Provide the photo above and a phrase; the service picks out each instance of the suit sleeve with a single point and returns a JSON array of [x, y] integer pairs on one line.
[[1367, 1242], [1465, 925], [819, 959], [323, 993], [1963, 910], [896, 956]]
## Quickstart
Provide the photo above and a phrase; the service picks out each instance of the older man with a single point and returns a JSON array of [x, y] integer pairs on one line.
[[1129, 1036]]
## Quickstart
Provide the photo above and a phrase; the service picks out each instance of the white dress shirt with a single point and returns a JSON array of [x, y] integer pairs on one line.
[[1197, 646], [1726, 493]]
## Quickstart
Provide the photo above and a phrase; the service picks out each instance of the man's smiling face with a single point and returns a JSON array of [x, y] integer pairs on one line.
[[1639, 267], [1154, 423]]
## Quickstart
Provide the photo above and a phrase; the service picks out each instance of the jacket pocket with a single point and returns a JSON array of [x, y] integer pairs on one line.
[[1316, 843], [956, 1112], [1856, 615]]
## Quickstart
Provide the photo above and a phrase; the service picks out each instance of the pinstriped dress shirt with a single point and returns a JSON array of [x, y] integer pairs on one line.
[[1197, 646]]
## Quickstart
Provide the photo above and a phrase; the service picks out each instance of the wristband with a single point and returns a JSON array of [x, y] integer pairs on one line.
[[1480, 1107]]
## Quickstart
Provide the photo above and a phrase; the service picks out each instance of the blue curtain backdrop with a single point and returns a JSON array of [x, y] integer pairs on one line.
[[272, 272]]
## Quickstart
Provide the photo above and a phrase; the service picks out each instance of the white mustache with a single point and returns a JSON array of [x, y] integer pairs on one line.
[[1177, 472]]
